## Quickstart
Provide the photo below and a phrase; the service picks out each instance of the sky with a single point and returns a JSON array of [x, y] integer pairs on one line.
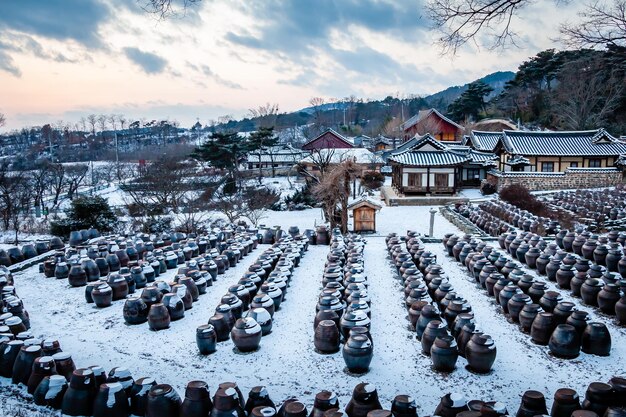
[[61, 60]]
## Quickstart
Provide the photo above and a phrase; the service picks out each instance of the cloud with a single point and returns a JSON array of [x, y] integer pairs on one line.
[[78, 20], [151, 63], [206, 71], [7, 64]]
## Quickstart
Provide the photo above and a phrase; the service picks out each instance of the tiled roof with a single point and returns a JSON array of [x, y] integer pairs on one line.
[[572, 143], [422, 114], [334, 133], [474, 155], [518, 160], [484, 141], [429, 158], [536, 174]]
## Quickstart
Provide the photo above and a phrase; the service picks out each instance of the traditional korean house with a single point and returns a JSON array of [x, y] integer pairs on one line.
[[364, 214], [329, 139], [381, 143], [475, 170], [433, 122], [482, 141], [557, 151], [277, 157], [363, 158]]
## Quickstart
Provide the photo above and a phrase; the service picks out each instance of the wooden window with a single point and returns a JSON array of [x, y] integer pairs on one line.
[[573, 165], [415, 180], [441, 180], [473, 174], [595, 163], [547, 167]]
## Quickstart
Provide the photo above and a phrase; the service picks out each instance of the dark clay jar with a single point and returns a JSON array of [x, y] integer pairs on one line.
[[502, 282], [327, 337], [221, 326], [527, 316], [608, 298], [589, 291], [429, 312], [596, 339], [364, 399], [139, 395], [175, 306], [197, 402], [579, 320], [550, 300], [565, 342], [491, 282], [434, 329], [460, 321], [515, 305], [444, 353], [42, 367], [415, 311], [566, 401], [135, 311], [78, 399], [598, 398], [564, 275], [206, 339], [403, 406], [163, 401], [357, 353], [531, 257], [562, 311], [77, 276], [542, 328], [552, 268], [246, 334], [23, 366], [533, 404], [259, 398], [480, 353], [50, 391], [158, 317], [151, 295], [111, 401], [542, 262], [451, 405], [506, 294], [576, 283]]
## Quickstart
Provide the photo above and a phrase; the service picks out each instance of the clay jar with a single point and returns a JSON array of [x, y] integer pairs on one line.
[[608, 297], [480, 353], [327, 337], [139, 395], [206, 339], [261, 316], [566, 401], [589, 291], [175, 306], [415, 311], [565, 342], [158, 317], [364, 399], [246, 334], [562, 311], [403, 406], [357, 353], [542, 328], [77, 276], [163, 401], [549, 300], [197, 400], [78, 399], [533, 403], [50, 391], [119, 285], [444, 353], [598, 398], [111, 401], [620, 310], [23, 366], [42, 366], [596, 339], [515, 305], [564, 275], [135, 311], [258, 398], [434, 329], [102, 295]]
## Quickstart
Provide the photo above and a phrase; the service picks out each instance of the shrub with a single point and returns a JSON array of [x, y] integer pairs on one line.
[[372, 180], [519, 196], [83, 213], [487, 188]]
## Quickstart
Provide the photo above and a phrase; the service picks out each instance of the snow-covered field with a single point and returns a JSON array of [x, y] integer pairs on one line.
[[287, 363]]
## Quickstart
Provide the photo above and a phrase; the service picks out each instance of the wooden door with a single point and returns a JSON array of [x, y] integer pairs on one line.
[[364, 219], [441, 180], [415, 180]]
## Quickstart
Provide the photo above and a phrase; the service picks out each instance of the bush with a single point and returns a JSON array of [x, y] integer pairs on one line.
[[519, 196], [83, 213], [301, 197], [372, 180], [487, 188]]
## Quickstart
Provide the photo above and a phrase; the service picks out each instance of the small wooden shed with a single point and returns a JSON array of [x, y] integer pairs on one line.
[[364, 215]]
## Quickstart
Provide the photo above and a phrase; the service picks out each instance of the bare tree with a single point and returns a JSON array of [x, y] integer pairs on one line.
[[320, 160], [15, 198], [166, 8], [3, 119], [82, 123], [258, 201], [74, 177], [463, 21], [333, 191], [586, 95], [40, 179], [601, 23], [317, 103], [102, 123], [57, 182], [266, 113], [233, 206], [92, 119]]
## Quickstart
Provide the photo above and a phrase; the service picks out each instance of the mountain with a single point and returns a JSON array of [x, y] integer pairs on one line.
[[496, 80]]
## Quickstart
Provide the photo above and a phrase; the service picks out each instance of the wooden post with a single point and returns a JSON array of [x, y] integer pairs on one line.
[[428, 179]]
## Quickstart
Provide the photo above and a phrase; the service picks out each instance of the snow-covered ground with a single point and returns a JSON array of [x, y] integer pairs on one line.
[[287, 363]]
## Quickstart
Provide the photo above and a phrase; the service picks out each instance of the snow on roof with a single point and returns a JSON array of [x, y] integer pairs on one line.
[[423, 114], [483, 141], [359, 155], [364, 201], [566, 143]]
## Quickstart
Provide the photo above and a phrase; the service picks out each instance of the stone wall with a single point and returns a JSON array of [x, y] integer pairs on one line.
[[572, 178]]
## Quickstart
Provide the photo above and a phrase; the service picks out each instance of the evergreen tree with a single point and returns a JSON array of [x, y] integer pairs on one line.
[[471, 103], [224, 151], [262, 142]]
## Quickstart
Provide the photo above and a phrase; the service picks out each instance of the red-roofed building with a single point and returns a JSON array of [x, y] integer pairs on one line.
[[329, 139], [433, 122]]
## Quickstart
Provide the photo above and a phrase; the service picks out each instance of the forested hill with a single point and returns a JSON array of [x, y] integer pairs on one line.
[[496, 80]]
